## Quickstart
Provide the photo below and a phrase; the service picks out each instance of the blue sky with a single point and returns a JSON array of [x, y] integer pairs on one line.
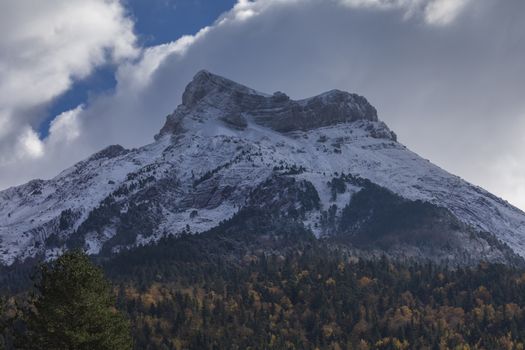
[[156, 22], [161, 21]]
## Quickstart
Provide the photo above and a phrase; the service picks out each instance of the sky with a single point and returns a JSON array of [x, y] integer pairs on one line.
[[448, 76]]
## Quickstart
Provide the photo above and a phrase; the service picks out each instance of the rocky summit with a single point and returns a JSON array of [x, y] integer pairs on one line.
[[325, 163], [235, 104]]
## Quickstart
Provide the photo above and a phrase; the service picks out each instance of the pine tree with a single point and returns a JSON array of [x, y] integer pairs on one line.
[[73, 309], [2, 324]]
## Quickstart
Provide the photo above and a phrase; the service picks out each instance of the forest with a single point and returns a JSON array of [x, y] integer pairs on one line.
[[314, 297], [314, 300], [260, 282]]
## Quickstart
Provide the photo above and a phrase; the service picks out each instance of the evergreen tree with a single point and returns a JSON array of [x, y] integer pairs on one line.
[[2, 323], [73, 309]]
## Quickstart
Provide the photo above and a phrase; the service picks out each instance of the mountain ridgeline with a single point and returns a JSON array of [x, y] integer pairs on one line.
[[231, 161]]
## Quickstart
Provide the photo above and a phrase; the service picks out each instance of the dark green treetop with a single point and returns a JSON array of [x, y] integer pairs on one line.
[[73, 309]]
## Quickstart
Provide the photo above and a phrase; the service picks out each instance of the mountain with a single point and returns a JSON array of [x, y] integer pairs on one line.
[[325, 163]]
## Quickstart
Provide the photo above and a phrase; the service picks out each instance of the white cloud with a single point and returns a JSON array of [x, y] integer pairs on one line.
[[65, 127], [436, 12], [45, 46], [444, 11], [135, 75], [29, 144]]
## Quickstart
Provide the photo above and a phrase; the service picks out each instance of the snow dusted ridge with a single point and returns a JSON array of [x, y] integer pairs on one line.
[[236, 104], [223, 142]]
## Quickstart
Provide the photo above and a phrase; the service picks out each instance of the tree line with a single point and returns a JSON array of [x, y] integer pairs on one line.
[[307, 298]]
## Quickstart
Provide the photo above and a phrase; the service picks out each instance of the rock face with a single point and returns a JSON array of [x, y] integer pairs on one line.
[[235, 104], [326, 163], [109, 152]]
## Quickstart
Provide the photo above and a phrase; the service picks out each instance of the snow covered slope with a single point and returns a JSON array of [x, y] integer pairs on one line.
[[222, 145]]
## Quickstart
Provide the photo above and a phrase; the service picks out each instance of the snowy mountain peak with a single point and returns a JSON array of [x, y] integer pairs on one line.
[[325, 163], [108, 152], [237, 105], [208, 87]]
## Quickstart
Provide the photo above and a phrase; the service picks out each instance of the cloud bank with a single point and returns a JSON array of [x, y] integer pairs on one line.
[[47, 45], [446, 75], [435, 12]]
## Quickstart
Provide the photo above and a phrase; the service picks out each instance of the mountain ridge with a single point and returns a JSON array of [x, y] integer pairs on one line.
[[306, 160], [235, 104]]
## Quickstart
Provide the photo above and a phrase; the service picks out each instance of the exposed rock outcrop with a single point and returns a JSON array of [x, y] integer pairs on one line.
[[235, 104]]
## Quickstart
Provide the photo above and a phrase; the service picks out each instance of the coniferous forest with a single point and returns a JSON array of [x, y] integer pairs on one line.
[[235, 288], [313, 299]]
